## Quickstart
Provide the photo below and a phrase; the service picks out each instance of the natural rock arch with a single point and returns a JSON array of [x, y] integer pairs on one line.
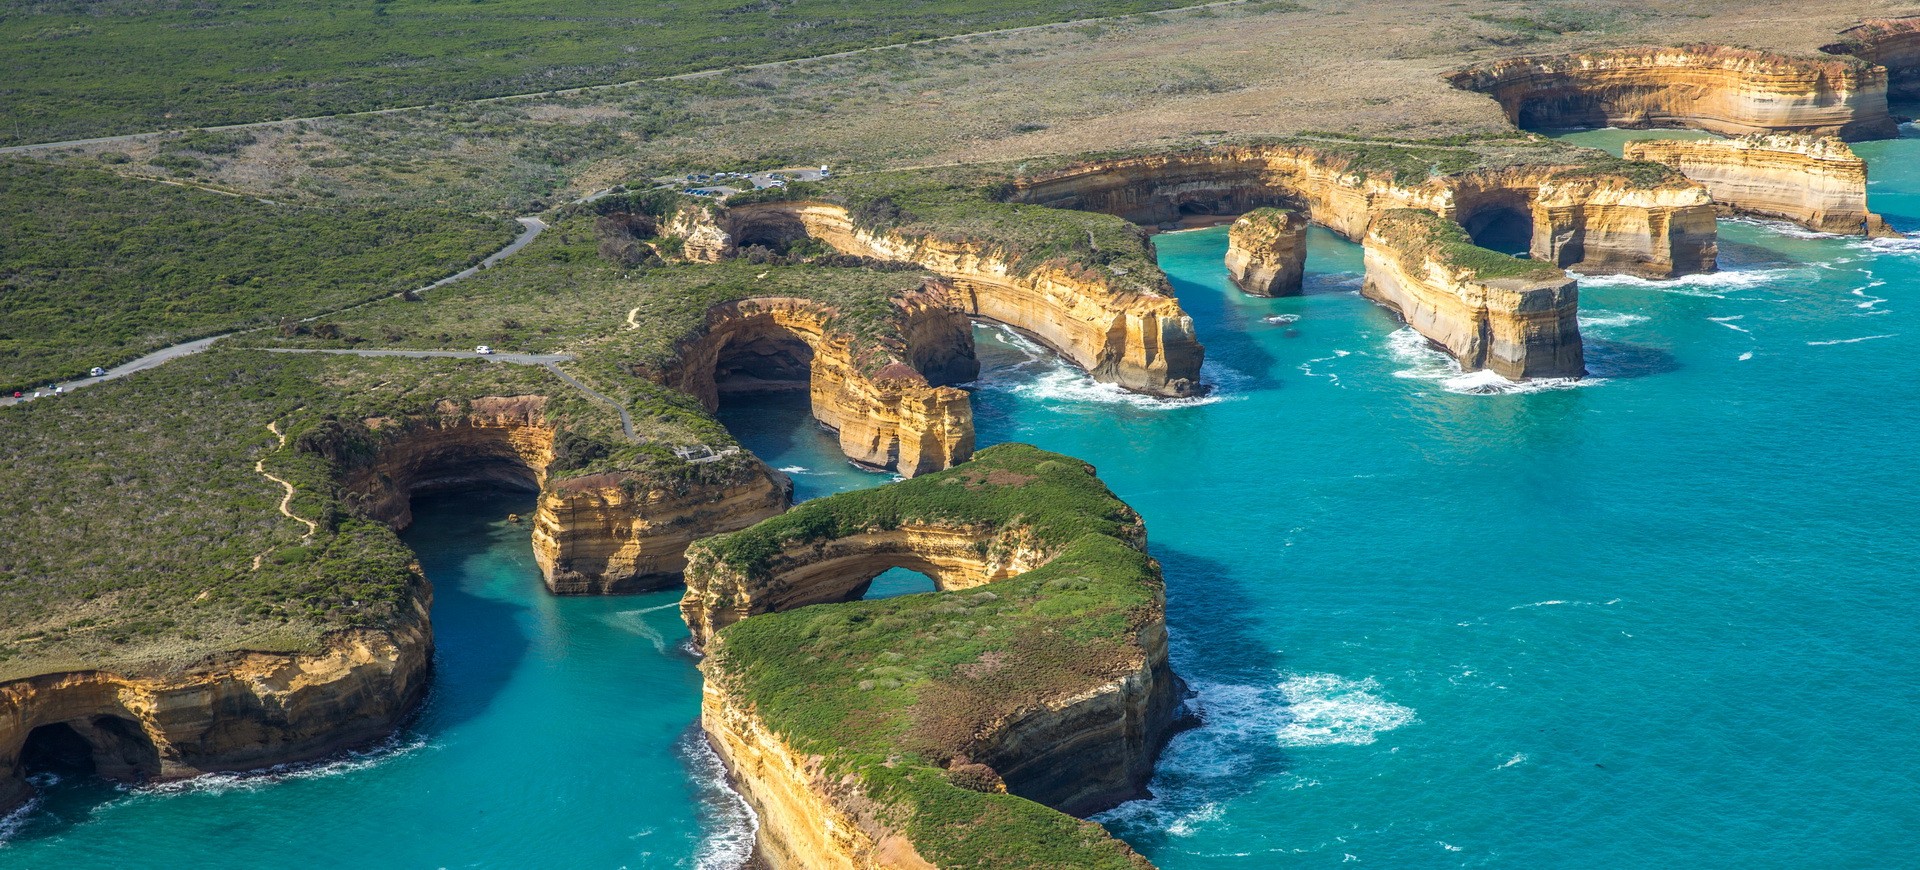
[[892, 412], [1019, 692]]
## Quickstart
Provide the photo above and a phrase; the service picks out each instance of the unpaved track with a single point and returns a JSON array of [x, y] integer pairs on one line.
[[286, 501]]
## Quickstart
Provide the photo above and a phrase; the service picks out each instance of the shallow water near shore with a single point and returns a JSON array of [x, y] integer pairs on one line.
[[1663, 616]]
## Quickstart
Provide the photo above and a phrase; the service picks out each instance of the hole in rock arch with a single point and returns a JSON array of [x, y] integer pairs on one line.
[[765, 361], [895, 582], [1504, 228], [774, 231]]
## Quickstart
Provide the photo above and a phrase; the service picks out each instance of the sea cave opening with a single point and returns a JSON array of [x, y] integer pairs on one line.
[[895, 582], [1507, 228], [111, 747], [763, 361]]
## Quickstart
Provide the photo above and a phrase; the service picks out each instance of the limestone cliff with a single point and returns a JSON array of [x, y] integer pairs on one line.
[[1893, 43], [1596, 217], [1816, 182], [233, 711], [881, 403], [1709, 87], [1267, 252], [912, 731], [1516, 318], [614, 532], [1140, 341]]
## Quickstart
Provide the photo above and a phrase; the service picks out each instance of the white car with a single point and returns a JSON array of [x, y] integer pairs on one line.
[[97, 372], [483, 350]]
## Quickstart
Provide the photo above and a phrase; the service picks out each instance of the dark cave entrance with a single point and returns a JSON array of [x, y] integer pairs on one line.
[[764, 362], [776, 232], [895, 582], [107, 746], [1505, 228]]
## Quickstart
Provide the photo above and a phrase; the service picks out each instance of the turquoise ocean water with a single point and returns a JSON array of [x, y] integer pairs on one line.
[[1665, 617]]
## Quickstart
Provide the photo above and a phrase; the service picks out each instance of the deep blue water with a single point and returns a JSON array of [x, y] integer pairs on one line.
[[1665, 617]]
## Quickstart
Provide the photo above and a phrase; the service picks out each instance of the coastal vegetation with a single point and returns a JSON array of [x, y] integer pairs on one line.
[[96, 269], [146, 535], [1418, 231], [889, 692], [75, 70]]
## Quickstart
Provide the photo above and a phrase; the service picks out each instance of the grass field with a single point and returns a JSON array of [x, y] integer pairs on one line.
[[96, 269], [74, 69]]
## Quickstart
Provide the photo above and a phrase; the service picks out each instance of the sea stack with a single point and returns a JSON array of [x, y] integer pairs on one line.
[[1816, 182], [1267, 252]]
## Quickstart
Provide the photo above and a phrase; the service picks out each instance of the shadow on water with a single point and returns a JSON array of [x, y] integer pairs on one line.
[[765, 419], [1621, 360], [478, 644]]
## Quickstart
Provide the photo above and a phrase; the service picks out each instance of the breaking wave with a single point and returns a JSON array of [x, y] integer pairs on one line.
[[1424, 362], [1850, 340], [1327, 710], [397, 746], [1043, 376], [728, 842], [1709, 285]]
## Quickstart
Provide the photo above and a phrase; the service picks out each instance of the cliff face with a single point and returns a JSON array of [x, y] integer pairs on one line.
[[1717, 88], [592, 534], [1581, 218], [1267, 252], [978, 702], [1893, 43], [1816, 182], [1141, 342], [885, 411], [1519, 326], [1602, 225], [233, 712]]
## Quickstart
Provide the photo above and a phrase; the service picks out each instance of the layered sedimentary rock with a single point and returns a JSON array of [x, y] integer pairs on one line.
[[1022, 714], [1817, 182], [1605, 224], [1267, 252], [233, 711], [614, 532], [1893, 43], [1596, 218], [1516, 318], [1140, 341], [887, 412], [1717, 88]]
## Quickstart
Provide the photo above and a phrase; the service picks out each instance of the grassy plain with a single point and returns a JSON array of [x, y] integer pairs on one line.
[[76, 69], [96, 269]]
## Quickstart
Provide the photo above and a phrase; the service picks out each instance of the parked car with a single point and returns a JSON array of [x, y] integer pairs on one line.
[[97, 372], [483, 349]]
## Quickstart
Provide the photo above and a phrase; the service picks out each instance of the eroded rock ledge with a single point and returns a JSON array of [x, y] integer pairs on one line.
[[1591, 214], [1516, 318], [232, 711], [1141, 341], [1816, 182], [1267, 252], [607, 531], [1893, 43], [1725, 90], [956, 728]]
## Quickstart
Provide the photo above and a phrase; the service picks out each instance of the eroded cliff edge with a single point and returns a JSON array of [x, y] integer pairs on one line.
[[1516, 318], [1718, 88], [1893, 43], [956, 728], [1817, 182], [1267, 252]]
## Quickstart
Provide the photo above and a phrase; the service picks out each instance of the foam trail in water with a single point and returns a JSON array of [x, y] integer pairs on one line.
[[1426, 363], [1850, 340], [1043, 376], [11, 823], [1691, 285], [1746, 356], [635, 622], [1598, 319], [728, 843], [1518, 758], [387, 750], [1281, 318], [1326, 710], [1728, 322]]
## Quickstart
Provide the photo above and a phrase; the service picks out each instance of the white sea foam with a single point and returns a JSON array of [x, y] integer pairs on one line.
[[1306, 368], [11, 823], [1043, 376], [798, 469], [397, 746], [1707, 285], [1190, 823], [1600, 319], [1327, 710], [1868, 302], [1426, 363], [1746, 356], [1850, 340], [1728, 322], [728, 844], [1518, 758], [1887, 246], [1281, 318], [635, 622]]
